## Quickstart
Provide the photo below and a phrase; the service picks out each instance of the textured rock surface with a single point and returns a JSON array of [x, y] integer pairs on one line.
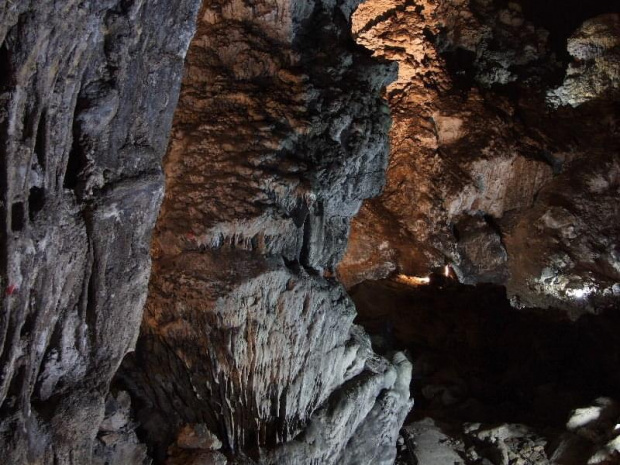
[[595, 70], [116, 439], [597, 441], [492, 169], [88, 90], [505, 165], [279, 136]]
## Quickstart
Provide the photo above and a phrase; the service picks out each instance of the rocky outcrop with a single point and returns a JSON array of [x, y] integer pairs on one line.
[[594, 72], [116, 440], [594, 441], [280, 134], [564, 250], [495, 170], [88, 91]]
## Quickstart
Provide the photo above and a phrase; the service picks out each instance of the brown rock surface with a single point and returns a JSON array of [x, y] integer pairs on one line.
[[280, 134], [481, 150]]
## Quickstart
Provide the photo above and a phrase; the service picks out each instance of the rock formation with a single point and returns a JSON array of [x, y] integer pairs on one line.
[[280, 135], [594, 72], [499, 214], [88, 92], [493, 171]]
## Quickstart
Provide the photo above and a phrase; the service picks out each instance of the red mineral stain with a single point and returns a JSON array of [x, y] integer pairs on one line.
[[11, 289]]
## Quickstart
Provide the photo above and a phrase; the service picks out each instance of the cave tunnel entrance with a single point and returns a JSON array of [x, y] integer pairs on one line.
[[561, 18], [477, 360]]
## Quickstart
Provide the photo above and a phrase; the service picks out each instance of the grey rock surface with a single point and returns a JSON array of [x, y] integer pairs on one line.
[[430, 445], [594, 72], [280, 134], [116, 441], [87, 91], [591, 437]]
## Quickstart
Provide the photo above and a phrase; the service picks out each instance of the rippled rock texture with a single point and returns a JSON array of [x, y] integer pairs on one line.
[[504, 163], [280, 135], [88, 91]]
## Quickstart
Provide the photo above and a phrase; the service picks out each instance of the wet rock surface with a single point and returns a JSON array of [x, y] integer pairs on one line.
[[88, 91]]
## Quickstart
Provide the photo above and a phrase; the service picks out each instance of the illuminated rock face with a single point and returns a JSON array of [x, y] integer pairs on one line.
[[279, 136], [88, 91], [248, 340], [503, 165], [595, 70], [492, 170]]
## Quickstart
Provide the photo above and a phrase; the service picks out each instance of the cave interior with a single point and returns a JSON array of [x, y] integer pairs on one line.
[[310, 232]]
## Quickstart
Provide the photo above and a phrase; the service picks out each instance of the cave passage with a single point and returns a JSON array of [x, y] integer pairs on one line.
[[490, 257], [253, 232], [477, 360]]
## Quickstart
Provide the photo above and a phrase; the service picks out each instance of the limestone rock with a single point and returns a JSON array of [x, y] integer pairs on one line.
[[593, 435], [116, 440], [563, 252], [280, 134], [482, 254], [475, 136], [88, 90], [197, 437], [430, 445], [594, 72]]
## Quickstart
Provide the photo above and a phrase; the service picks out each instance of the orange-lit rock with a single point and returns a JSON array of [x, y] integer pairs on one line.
[[476, 140]]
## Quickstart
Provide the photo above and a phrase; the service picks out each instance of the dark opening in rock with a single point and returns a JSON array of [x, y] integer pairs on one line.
[[36, 201], [74, 168], [40, 145], [17, 216], [562, 17]]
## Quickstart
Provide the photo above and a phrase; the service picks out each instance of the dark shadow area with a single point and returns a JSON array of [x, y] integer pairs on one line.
[[562, 17], [476, 359]]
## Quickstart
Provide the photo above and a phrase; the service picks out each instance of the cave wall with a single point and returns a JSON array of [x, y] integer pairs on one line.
[[504, 164], [88, 91], [505, 149], [247, 337]]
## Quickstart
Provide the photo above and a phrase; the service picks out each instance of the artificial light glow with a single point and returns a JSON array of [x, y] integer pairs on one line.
[[413, 280], [446, 271], [579, 293]]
